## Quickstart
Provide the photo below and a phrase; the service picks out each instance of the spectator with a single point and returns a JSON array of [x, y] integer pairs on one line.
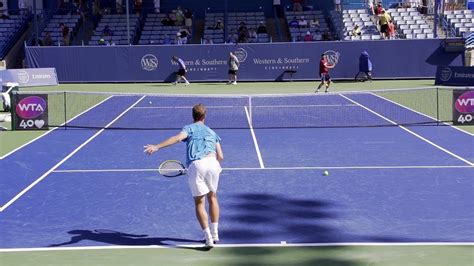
[[157, 4], [297, 5], [378, 10], [370, 4], [184, 34], [308, 37], [242, 27], [119, 6], [326, 36], [101, 41], [3, 11], [96, 13], [208, 40], [314, 23], [167, 21], [48, 41], [62, 8], [262, 28], [293, 23], [65, 33], [188, 19], [252, 35], [22, 6], [391, 30], [233, 38], [83, 10], [356, 31], [383, 21], [219, 25], [137, 6], [302, 23], [337, 5], [179, 16], [107, 31], [178, 40], [110, 43]]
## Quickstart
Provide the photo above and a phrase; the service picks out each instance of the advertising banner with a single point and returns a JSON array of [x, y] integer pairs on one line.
[[30, 77], [463, 107], [31, 112], [259, 62], [454, 76]]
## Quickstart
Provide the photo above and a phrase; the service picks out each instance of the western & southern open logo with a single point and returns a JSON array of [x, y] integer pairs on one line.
[[149, 62]]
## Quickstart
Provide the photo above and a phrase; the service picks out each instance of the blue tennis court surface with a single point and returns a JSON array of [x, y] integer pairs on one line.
[[93, 187]]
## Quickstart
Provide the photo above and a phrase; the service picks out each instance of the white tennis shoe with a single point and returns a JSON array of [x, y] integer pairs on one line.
[[209, 242], [215, 236]]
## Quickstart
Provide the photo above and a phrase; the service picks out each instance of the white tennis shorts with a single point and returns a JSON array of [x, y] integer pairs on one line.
[[203, 176]]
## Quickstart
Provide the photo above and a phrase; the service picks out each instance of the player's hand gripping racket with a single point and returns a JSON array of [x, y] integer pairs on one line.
[[172, 168]]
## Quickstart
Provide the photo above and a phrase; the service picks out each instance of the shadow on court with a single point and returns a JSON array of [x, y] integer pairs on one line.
[[292, 220], [288, 219], [124, 239]]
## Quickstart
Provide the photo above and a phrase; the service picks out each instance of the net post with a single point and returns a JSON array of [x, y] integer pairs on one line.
[[13, 110], [437, 106], [65, 111]]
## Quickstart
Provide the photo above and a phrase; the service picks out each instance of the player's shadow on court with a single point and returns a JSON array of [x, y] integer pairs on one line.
[[119, 238]]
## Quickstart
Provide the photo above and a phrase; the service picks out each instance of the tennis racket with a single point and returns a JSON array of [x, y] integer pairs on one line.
[[172, 168]]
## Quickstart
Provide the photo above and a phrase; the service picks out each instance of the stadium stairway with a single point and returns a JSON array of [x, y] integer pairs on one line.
[[271, 29], [285, 32], [84, 33]]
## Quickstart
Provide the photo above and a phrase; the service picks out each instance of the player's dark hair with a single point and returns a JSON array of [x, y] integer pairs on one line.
[[199, 112]]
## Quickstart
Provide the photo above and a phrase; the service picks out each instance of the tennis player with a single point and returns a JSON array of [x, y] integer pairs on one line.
[[324, 67], [234, 64], [203, 153], [181, 75]]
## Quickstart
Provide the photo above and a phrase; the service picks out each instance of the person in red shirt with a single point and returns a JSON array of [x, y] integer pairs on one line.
[[324, 67]]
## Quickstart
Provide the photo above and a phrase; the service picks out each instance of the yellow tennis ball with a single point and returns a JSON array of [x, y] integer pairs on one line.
[[326, 173]]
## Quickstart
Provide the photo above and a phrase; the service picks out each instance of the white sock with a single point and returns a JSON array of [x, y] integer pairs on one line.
[[214, 227], [207, 232]]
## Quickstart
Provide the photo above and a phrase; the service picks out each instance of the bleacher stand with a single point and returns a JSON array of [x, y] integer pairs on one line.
[[460, 22], [154, 32], [251, 20], [117, 23], [53, 27], [315, 29], [10, 30], [214, 27], [411, 24], [345, 23]]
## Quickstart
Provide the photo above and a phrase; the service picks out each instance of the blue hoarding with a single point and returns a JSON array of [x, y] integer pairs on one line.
[[391, 59]]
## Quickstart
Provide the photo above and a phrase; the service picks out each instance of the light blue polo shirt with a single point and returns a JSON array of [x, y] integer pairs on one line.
[[200, 142]]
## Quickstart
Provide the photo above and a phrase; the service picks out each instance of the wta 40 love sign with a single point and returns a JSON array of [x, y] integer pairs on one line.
[[463, 107], [31, 112]]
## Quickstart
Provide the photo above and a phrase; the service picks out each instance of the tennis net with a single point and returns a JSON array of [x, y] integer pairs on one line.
[[421, 106]]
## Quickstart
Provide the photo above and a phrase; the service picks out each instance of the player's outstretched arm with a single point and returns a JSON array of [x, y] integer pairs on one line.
[[150, 148], [219, 153]]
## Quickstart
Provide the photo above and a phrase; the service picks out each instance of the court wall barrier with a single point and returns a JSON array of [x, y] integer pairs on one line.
[[265, 62]]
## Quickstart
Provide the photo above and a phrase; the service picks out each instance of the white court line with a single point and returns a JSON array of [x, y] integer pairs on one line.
[[260, 106], [49, 131], [65, 159], [278, 168], [342, 244], [411, 132], [259, 155], [420, 113]]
